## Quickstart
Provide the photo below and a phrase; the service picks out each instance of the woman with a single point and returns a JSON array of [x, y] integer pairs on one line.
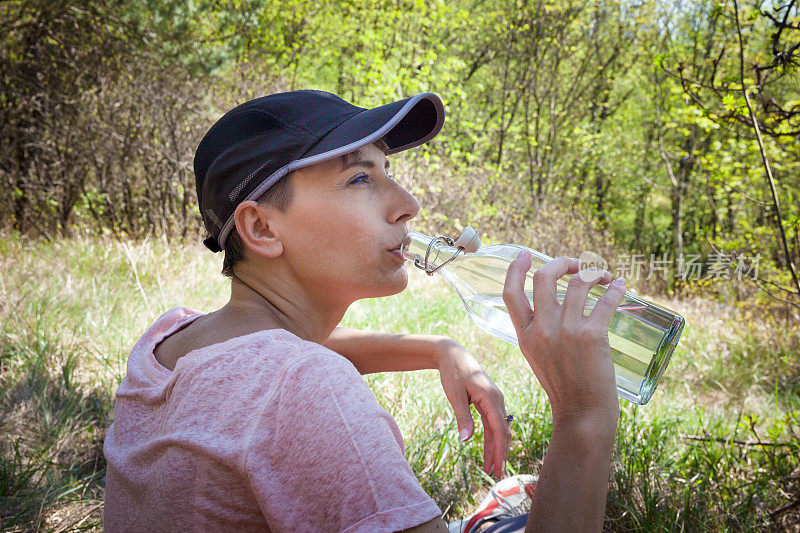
[[250, 418]]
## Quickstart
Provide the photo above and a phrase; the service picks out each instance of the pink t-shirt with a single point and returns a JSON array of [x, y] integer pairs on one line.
[[263, 432]]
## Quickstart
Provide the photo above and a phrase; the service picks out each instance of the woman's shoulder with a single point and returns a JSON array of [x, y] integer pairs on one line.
[[170, 321], [183, 338], [271, 352]]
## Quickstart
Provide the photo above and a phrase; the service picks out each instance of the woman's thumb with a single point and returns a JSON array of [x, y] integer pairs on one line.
[[519, 308], [466, 425]]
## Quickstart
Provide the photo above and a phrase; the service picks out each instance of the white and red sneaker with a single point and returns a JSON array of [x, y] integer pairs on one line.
[[508, 498]]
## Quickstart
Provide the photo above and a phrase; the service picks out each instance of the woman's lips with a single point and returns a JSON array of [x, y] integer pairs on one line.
[[397, 255]]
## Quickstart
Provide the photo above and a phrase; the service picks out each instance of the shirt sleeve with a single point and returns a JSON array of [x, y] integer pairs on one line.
[[324, 456]]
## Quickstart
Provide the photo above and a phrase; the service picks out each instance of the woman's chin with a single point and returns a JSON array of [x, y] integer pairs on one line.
[[402, 281], [391, 285], [398, 289]]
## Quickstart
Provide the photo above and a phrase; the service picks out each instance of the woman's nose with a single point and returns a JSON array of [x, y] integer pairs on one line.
[[406, 205]]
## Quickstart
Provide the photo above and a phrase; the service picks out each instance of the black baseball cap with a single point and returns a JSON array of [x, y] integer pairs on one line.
[[255, 144]]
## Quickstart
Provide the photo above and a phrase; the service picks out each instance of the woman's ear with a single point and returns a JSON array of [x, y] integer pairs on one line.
[[253, 224]]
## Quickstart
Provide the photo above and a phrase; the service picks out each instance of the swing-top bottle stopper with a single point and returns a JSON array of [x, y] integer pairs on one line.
[[468, 240]]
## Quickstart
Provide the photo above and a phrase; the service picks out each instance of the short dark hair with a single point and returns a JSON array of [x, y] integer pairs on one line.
[[278, 196]]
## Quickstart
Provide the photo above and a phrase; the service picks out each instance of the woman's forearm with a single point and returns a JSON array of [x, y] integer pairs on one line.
[[387, 352], [570, 494]]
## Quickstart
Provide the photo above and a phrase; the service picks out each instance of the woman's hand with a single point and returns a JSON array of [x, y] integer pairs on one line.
[[569, 352], [464, 383]]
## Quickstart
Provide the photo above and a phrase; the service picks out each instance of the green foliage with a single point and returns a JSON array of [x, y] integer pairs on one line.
[[628, 117]]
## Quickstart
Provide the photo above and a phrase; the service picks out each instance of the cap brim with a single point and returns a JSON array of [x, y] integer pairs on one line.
[[403, 124]]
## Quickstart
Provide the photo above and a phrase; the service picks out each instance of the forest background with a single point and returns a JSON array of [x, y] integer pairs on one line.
[[623, 124], [661, 135]]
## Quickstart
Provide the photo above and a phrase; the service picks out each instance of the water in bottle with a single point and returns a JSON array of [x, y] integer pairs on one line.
[[642, 335]]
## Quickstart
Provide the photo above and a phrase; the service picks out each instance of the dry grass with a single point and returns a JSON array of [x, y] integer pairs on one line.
[[716, 449]]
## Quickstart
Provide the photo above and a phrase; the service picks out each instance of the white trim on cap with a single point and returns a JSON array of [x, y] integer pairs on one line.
[[383, 130]]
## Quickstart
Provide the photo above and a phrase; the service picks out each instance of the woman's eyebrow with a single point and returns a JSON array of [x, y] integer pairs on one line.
[[363, 163]]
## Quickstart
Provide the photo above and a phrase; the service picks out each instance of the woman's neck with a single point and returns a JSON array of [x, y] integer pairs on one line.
[[261, 306]]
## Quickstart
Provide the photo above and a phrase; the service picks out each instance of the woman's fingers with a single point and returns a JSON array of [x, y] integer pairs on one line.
[[488, 450], [608, 303], [544, 283], [577, 291], [497, 435]]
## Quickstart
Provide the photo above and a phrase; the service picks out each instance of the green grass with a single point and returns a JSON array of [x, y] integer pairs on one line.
[[716, 449]]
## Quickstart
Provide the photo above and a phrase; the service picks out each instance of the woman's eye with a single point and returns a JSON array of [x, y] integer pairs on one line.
[[361, 178]]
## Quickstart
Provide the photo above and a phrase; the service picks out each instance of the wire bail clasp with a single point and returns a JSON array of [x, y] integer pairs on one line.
[[430, 269], [468, 241]]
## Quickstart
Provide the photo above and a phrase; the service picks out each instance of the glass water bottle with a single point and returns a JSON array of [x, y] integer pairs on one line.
[[642, 335]]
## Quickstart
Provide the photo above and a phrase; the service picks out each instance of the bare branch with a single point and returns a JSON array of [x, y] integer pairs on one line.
[[762, 151]]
